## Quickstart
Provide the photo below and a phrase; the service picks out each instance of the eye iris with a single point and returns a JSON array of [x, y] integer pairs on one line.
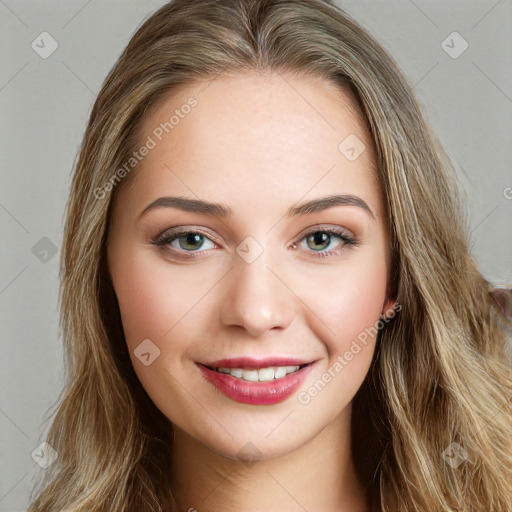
[[319, 238], [192, 239]]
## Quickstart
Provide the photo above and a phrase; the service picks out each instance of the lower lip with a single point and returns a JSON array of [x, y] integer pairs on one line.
[[256, 393]]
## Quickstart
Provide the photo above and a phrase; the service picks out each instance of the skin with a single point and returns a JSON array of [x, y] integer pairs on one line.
[[257, 144]]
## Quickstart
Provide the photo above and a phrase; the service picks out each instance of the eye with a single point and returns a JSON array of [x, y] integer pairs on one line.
[[188, 243], [320, 239], [183, 241]]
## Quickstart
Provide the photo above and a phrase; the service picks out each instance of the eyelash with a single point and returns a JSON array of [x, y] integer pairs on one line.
[[167, 237]]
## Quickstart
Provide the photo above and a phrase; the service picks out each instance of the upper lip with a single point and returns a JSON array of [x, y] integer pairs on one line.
[[250, 362]]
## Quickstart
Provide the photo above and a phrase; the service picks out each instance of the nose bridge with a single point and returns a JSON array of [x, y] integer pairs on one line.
[[256, 298]]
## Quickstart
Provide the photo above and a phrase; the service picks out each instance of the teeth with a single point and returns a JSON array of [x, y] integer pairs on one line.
[[261, 375], [280, 372]]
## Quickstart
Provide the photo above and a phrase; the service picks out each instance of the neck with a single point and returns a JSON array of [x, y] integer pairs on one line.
[[318, 475]]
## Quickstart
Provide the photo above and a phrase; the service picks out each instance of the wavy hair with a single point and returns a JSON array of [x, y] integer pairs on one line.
[[440, 380]]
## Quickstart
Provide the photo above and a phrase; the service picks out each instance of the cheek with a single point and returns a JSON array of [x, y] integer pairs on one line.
[[350, 304], [151, 301], [356, 303], [352, 300], [161, 302], [142, 301]]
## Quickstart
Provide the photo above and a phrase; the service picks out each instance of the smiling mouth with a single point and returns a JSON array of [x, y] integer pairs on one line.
[[255, 384], [266, 374]]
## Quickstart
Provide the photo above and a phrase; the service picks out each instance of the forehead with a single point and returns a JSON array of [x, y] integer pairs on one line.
[[278, 135]]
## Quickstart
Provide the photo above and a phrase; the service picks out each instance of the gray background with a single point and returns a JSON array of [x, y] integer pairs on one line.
[[45, 104]]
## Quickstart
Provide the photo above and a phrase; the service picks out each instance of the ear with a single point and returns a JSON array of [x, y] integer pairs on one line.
[[388, 308]]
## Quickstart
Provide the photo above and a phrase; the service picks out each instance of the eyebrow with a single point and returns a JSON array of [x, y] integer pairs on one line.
[[223, 211]]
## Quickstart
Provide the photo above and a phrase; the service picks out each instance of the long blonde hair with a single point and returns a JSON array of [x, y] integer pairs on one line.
[[440, 381]]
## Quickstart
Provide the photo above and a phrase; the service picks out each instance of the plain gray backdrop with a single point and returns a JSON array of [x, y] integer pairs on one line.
[[45, 100]]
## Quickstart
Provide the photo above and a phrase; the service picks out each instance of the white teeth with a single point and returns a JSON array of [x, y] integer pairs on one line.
[[251, 375], [261, 375], [280, 372], [266, 374]]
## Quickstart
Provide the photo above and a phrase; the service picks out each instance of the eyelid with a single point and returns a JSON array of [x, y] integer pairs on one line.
[[326, 227], [177, 231]]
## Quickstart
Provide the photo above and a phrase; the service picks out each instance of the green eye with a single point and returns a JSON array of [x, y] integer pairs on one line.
[[184, 241], [319, 238], [191, 241]]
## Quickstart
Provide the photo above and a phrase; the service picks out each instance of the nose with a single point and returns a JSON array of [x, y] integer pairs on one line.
[[257, 298]]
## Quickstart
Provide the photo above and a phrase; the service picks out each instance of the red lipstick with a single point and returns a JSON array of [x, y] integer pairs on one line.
[[256, 393]]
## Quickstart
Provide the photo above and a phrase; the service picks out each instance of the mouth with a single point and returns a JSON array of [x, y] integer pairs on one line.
[[264, 385], [262, 374]]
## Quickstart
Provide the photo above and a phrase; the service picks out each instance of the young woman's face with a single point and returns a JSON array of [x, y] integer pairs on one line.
[[273, 281]]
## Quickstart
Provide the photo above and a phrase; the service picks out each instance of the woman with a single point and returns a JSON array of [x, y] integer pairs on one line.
[[268, 300]]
